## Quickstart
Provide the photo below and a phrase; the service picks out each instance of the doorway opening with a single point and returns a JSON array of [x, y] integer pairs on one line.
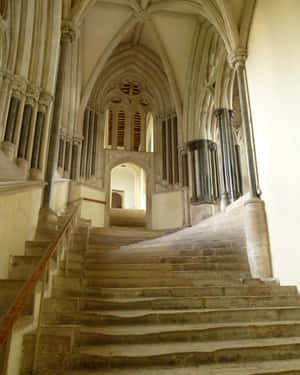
[[128, 195]]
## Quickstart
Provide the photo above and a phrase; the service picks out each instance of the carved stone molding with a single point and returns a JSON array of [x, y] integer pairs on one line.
[[45, 98], [68, 32], [238, 58]]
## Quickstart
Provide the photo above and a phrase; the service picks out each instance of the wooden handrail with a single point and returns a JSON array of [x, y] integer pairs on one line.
[[86, 199], [16, 308], [94, 200]]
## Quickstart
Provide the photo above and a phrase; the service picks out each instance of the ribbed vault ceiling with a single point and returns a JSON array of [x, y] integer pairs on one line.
[[167, 28]]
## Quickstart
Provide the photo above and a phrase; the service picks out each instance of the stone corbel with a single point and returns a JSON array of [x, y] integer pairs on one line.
[[45, 98], [18, 86], [68, 31], [238, 57]]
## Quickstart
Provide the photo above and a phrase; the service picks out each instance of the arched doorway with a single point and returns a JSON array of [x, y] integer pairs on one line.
[[128, 195]]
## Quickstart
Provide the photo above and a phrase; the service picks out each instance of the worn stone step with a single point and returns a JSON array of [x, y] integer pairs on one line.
[[9, 290], [189, 302], [184, 354], [168, 282], [143, 317], [91, 266], [36, 248], [55, 346], [133, 334], [21, 266], [283, 367], [190, 292], [185, 275], [177, 256]]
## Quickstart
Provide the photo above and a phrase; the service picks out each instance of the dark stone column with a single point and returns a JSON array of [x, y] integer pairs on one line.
[[203, 174], [36, 151], [175, 150], [67, 155], [192, 152], [66, 40], [23, 143], [215, 171], [164, 151], [74, 162], [170, 153], [95, 142], [11, 119], [84, 143], [61, 148], [185, 170], [89, 145], [224, 117], [239, 173]]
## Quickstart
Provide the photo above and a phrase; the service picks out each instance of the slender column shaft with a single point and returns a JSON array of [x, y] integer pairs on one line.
[[23, 144], [164, 151], [239, 169], [185, 171], [175, 150], [5, 95], [170, 153], [67, 155], [19, 120], [89, 145], [74, 162], [61, 148], [193, 173], [224, 117], [32, 131], [36, 150], [247, 125], [11, 119], [67, 36], [95, 143], [84, 142]]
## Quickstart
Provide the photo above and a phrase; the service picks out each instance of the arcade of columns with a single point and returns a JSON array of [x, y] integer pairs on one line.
[[29, 112]]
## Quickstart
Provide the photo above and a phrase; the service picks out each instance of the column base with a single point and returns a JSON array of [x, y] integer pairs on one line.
[[201, 212], [23, 164], [8, 149], [225, 201], [36, 174], [47, 224], [257, 238]]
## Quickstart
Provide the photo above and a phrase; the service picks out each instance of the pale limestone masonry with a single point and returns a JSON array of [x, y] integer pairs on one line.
[[164, 309]]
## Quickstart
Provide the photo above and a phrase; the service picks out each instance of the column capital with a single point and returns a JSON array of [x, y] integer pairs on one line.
[[77, 139], [45, 98], [221, 111], [238, 57], [68, 33], [32, 93], [18, 85]]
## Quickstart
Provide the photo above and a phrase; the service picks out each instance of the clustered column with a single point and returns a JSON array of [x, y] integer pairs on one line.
[[229, 162], [75, 163], [238, 61], [88, 156], [204, 171], [170, 158], [65, 47], [24, 122]]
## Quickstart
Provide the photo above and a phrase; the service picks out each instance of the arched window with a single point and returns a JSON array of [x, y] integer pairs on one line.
[[149, 133], [137, 122], [121, 129], [109, 123]]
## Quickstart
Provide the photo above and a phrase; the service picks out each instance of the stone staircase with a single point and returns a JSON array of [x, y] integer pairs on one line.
[[164, 311]]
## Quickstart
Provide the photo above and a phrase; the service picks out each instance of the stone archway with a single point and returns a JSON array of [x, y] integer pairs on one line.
[[142, 160]]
